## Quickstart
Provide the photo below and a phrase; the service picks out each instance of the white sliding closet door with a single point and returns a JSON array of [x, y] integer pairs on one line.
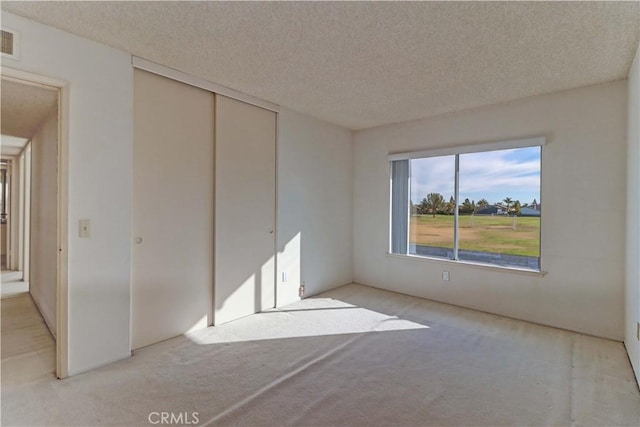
[[173, 199], [245, 209]]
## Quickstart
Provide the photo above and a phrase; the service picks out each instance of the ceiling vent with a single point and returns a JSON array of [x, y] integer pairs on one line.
[[10, 44]]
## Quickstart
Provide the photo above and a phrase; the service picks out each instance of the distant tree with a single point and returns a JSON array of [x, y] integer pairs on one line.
[[422, 208], [507, 201], [535, 204], [450, 206], [517, 207], [466, 207], [434, 203]]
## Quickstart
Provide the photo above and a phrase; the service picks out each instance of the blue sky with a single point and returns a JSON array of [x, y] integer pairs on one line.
[[491, 175]]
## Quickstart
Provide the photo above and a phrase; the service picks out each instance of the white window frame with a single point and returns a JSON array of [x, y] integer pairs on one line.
[[456, 151]]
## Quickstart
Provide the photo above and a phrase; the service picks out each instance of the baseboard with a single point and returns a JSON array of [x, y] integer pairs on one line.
[[52, 330], [635, 373], [73, 373]]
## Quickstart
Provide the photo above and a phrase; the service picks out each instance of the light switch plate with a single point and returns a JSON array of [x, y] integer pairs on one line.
[[85, 228]]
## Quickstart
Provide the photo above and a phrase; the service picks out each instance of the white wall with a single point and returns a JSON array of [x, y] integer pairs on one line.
[[100, 114], [583, 193], [26, 238], [44, 217], [314, 239], [632, 296], [314, 191], [20, 160]]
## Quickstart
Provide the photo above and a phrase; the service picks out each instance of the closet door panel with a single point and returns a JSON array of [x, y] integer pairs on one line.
[[245, 209], [173, 209]]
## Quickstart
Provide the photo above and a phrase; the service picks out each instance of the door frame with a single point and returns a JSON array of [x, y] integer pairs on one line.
[[62, 284], [9, 201]]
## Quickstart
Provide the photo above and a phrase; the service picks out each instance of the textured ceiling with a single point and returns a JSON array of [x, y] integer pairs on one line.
[[25, 107], [364, 64]]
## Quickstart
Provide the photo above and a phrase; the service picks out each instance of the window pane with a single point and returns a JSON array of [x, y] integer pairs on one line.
[[499, 207], [399, 206], [432, 207]]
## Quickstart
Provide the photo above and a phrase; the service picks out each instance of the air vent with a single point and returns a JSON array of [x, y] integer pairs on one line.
[[10, 43]]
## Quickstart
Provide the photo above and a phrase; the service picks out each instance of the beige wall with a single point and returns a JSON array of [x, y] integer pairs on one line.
[[44, 220], [632, 291], [583, 193]]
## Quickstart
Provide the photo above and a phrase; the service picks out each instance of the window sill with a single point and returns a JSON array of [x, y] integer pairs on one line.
[[470, 264]]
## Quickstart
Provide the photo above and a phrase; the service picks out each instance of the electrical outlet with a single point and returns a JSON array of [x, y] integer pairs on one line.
[[285, 276], [445, 276], [301, 290]]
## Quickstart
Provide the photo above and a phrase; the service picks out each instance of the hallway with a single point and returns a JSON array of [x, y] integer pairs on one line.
[[12, 284], [28, 349]]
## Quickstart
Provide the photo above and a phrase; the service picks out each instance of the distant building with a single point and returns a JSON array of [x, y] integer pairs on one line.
[[491, 210], [529, 212]]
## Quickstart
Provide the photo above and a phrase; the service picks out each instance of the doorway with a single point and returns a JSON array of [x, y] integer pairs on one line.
[[31, 159]]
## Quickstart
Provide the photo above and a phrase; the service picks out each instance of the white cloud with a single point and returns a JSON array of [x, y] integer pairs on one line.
[[491, 175], [432, 175]]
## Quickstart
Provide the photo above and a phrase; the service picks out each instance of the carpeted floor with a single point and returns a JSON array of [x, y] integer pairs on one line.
[[352, 356]]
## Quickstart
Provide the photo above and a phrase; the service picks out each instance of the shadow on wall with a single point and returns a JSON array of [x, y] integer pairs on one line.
[[253, 285], [292, 259]]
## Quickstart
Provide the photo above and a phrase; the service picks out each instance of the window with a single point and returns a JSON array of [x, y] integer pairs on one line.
[[478, 204]]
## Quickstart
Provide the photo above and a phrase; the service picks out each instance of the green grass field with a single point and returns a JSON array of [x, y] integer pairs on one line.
[[497, 234]]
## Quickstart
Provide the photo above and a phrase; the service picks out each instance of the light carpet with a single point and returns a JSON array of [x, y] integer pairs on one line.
[[351, 356]]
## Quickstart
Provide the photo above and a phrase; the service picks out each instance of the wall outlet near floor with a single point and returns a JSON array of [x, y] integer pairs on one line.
[[445, 276], [301, 290], [285, 276]]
